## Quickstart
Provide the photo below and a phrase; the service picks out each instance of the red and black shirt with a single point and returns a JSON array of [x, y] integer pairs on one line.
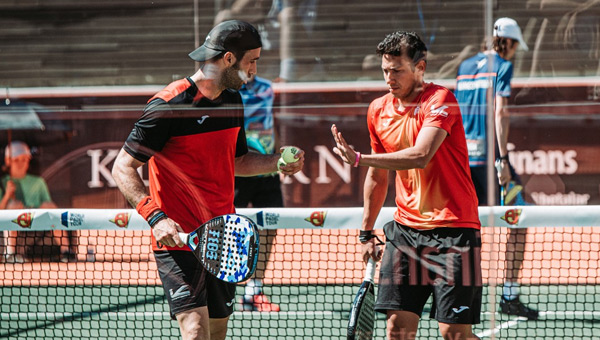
[[190, 144]]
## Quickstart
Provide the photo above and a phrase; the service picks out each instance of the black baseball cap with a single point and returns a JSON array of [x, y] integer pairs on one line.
[[228, 36]]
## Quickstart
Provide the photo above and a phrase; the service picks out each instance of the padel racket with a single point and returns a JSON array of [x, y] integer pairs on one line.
[[362, 315], [227, 246]]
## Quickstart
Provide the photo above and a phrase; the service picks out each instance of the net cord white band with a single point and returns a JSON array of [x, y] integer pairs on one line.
[[292, 218]]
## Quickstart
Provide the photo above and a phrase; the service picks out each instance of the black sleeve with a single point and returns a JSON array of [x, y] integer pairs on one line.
[[241, 147], [151, 132]]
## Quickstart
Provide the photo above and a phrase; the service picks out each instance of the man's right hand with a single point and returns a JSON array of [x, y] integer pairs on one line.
[[371, 250], [166, 232], [503, 173]]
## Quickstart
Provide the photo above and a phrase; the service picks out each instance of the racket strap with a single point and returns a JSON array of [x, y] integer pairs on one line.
[[367, 235]]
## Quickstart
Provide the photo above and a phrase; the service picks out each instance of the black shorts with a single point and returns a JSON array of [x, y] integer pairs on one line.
[[445, 262], [188, 285]]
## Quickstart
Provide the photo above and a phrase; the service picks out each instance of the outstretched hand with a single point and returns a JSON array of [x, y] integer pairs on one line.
[[342, 149]]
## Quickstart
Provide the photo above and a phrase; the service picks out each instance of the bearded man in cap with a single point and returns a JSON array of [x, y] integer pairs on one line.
[[192, 136]]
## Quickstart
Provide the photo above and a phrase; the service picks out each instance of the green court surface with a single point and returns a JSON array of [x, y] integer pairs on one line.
[[308, 312]]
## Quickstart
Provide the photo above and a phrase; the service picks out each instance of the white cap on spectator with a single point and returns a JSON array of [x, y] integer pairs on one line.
[[17, 148], [508, 28]]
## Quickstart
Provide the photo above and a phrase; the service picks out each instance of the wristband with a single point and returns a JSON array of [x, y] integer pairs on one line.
[[156, 218], [504, 158], [146, 207], [365, 236], [357, 159]]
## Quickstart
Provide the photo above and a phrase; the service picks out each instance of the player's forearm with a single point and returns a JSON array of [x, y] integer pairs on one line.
[[410, 158], [253, 163], [502, 127], [502, 123], [414, 157], [128, 180], [375, 192]]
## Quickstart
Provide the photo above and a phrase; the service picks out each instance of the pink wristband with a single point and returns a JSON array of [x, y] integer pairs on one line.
[[357, 159]]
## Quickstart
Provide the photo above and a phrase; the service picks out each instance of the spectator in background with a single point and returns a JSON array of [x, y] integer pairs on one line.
[[473, 79], [260, 191], [21, 190]]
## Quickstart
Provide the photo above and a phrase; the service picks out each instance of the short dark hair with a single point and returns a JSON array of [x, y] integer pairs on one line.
[[239, 55], [403, 43]]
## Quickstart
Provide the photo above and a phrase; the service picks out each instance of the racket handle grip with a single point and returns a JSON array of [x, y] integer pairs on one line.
[[370, 271], [184, 237], [498, 165]]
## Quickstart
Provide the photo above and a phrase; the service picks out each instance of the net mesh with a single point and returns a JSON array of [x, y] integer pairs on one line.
[[110, 288]]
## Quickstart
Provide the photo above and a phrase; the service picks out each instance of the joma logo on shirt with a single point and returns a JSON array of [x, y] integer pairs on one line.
[[439, 111]]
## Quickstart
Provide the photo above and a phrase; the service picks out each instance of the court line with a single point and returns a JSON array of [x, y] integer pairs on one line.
[[503, 325], [543, 314], [559, 313], [571, 313]]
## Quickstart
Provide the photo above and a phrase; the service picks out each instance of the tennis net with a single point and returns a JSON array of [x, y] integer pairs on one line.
[[110, 288]]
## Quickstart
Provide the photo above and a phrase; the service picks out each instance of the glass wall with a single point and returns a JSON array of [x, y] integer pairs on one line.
[[86, 70]]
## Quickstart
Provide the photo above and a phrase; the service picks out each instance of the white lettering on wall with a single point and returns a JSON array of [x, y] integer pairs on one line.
[[100, 170], [543, 162], [572, 198], [327, 157]]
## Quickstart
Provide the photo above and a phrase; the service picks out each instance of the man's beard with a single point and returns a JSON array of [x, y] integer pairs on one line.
[[232, 77]]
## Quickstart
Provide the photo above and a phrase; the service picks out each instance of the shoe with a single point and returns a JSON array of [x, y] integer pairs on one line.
[[14, 258], [258, 303], [516, 307]]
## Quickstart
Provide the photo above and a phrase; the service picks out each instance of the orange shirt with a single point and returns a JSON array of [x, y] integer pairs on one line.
[[442, 194]]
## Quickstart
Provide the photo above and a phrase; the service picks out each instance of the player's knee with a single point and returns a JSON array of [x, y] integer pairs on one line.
[[193, 324], [194, 332]]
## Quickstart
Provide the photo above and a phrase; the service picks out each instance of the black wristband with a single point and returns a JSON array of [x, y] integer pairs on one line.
[[504, 158], [156, 218], [365, 236]]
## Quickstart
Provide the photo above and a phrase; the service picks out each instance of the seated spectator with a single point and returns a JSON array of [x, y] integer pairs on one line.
[[20, 190]]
